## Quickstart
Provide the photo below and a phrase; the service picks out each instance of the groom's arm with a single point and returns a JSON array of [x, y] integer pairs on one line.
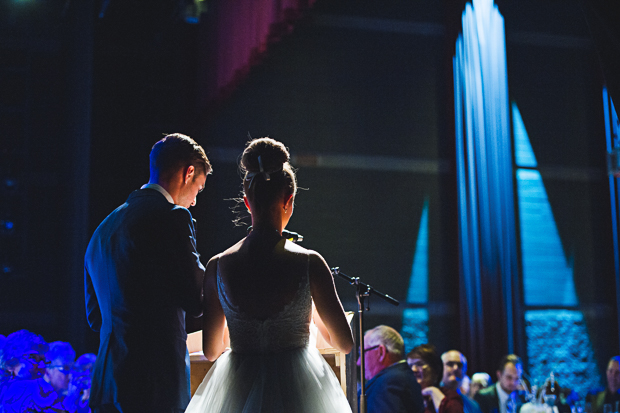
[[93, 312], [186, 266]]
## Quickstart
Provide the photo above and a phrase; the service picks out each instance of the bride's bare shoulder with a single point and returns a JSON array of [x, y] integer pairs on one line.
[[225, 255], [297, 249], [231, 250]]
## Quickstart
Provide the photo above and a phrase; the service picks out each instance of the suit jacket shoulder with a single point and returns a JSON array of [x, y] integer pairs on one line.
[[394, 390]]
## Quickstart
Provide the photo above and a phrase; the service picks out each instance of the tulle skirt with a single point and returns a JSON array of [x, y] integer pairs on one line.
[[294, 381]]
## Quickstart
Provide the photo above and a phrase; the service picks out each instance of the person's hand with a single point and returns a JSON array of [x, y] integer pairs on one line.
[[435, 394]]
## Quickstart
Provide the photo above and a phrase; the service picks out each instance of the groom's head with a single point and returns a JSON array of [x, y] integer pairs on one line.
[[180, 165]]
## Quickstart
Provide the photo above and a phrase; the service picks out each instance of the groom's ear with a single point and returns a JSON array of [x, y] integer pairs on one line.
[[188, 174]]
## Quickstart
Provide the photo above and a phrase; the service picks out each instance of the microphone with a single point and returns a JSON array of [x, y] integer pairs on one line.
[[292, 236]]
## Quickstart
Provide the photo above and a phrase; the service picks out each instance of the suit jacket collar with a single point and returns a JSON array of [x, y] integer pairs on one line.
[[491, 391], [148, 192], [397, 365], [159, 189]]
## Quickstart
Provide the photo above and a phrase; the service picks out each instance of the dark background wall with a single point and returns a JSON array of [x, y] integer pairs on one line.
[[367, 86]]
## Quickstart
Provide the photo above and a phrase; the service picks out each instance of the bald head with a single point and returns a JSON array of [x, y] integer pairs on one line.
[[454, 368]]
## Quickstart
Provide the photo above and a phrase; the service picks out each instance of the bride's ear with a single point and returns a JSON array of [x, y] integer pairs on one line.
[[288, 203], [247, 204]]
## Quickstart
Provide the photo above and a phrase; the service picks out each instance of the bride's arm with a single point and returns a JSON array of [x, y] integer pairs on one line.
[[323, 333], [214, 331], [328, 305]]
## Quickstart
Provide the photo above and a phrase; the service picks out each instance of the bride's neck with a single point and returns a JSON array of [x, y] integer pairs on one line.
[[266, 224], [266, 228]]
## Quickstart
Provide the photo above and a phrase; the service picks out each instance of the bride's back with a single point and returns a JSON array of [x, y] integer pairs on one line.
[[262, 275]]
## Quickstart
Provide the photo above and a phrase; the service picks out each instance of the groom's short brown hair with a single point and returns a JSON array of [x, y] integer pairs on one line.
[[177, 150]]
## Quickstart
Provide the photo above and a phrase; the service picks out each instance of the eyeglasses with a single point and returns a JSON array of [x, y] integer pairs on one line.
[[62, 369], [359, 350]]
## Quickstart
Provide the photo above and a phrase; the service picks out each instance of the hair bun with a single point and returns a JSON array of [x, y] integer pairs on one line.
[[273, 155]]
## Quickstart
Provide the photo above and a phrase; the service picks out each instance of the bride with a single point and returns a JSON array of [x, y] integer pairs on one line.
[[261, 291]]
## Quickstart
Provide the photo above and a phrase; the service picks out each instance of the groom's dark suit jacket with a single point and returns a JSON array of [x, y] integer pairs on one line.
[[142, 274]]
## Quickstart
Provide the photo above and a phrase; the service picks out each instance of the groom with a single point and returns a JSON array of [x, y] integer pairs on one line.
[[142, 274]]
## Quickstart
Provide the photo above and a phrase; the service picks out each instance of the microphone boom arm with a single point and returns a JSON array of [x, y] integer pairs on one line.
[[369, 289]]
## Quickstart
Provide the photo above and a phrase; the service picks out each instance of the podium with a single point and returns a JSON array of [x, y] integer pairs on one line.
[[343, 365]]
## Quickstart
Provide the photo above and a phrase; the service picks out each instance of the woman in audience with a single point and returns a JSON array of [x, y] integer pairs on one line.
[[427, 366]]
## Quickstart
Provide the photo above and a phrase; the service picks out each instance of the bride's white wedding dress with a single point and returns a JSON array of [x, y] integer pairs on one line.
[[272, 367]]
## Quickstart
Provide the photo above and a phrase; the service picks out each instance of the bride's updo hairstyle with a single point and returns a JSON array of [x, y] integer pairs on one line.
[[268, 175]]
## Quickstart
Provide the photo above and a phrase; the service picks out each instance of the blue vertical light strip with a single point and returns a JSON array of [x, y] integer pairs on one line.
[[545, 267], [547, 277], [524, 154], [611, 131], [418, 282], [415, 320], [484, 168], [467, 205]]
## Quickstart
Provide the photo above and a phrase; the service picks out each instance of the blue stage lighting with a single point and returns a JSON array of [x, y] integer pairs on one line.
[[7, 226], [9, 185]]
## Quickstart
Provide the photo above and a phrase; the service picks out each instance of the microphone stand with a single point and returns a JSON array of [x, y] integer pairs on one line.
[[363, 291]]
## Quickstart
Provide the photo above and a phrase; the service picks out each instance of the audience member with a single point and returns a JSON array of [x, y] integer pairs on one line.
[[61, 358], [454, 369], [503, 397], [391, 386], [428, 368], [479, 381], [23, 355], [610, 395], [81, 376], [46, 393]]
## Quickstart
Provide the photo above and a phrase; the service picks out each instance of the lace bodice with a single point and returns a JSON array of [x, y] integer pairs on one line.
[[285, 330]]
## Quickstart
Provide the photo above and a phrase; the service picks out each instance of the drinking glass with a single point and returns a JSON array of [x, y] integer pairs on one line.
[[550, 400]]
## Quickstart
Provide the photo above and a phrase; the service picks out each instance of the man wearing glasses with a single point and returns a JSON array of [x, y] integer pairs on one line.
[[391, 386]]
